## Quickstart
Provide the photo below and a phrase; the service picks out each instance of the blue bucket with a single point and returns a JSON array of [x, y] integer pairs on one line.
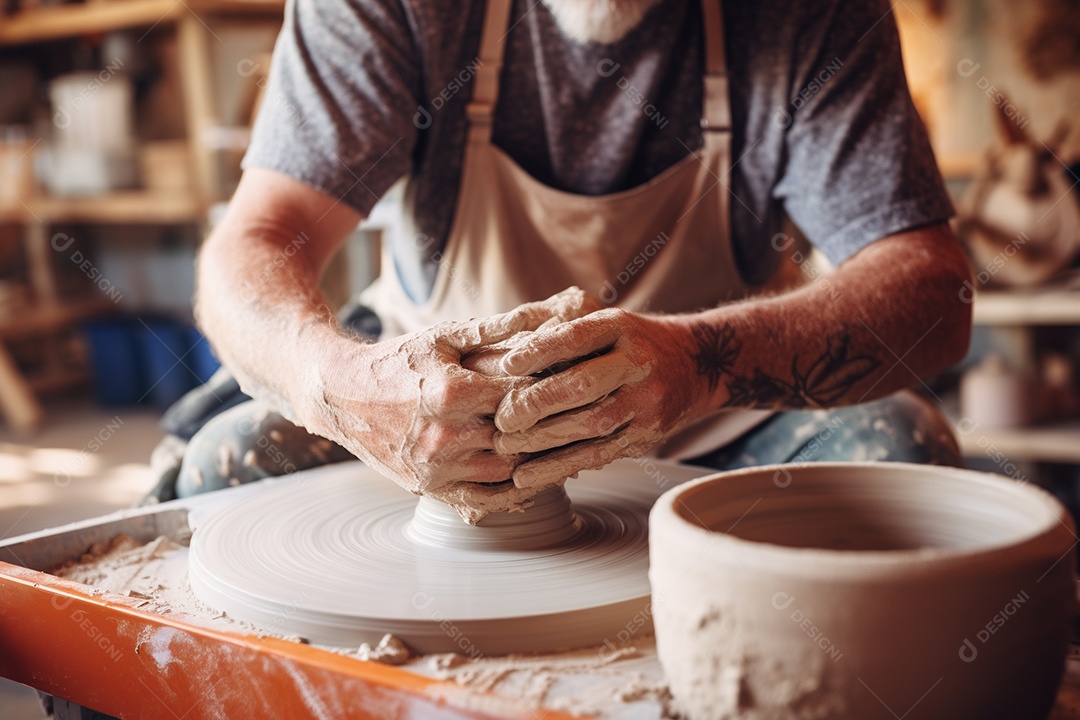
[[203, 361], [116, 361], [166, 350]]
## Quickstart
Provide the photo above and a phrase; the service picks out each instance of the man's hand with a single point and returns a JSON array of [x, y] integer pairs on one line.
[[892, 313], [635, 387], [420, 408]]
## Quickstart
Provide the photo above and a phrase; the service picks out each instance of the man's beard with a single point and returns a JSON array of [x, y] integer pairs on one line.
[[603, 21]]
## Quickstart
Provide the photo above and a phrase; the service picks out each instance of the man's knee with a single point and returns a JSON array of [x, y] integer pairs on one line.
[[900, 428], [246, 443]]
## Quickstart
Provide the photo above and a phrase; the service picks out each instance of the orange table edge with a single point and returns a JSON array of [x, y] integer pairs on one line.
[[100, 651]]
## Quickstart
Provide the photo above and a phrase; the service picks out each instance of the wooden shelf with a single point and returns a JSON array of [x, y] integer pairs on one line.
[[95, 16], [191, 20], [44, 319], [12, 214], [55, 381], [121, 208], [1022, 308], [1050, 443]]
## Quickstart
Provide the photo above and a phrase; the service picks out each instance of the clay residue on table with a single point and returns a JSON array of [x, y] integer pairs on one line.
[[592, 681], [120, 564], [610, 682], [389, 651], [153, 573]]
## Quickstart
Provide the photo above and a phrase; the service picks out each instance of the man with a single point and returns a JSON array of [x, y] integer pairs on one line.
[[643, 150]]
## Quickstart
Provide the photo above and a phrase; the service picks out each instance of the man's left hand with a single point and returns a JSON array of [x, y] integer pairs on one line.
[[632, 384]]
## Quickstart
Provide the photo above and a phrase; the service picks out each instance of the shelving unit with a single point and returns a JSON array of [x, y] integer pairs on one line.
[[1021, 310], [116, 208], [1054, 443], [46, 318], [65, 21], [1027, 308], [52, 314]]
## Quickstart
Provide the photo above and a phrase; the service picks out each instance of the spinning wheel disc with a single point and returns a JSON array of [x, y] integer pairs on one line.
[[340, 555]]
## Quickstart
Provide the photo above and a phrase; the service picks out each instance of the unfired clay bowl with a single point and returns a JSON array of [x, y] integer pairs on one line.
[[861, 591]]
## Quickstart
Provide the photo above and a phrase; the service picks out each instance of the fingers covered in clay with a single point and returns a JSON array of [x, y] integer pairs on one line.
[[630, 385], [567, 305], [556, 466], [573, 388], [570, 304], [592, 421], [563, 343], [408, 407], [484, 467]]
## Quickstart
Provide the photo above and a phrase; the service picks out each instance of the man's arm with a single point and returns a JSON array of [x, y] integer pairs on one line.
[[406, 406], [891, 314], [257, 295]]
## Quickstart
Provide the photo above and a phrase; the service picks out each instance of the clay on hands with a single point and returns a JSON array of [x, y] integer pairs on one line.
[[420, 408], [633, 389]]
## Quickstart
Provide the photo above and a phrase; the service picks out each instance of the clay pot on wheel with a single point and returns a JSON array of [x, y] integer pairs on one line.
[[861, 591]]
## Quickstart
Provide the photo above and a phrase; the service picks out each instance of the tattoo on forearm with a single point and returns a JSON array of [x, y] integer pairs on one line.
[[717, 351], [821, 383]]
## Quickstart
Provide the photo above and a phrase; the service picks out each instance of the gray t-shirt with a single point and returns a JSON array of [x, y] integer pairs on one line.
[[364, 92]]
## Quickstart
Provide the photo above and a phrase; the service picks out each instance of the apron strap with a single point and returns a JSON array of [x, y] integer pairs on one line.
[[481, 108], [715, 111]]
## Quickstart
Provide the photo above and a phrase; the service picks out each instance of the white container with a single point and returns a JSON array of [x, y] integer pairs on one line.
[[93, 150], [995, 396], [93, 111], [16, 167], [861, 591], [72, 171]]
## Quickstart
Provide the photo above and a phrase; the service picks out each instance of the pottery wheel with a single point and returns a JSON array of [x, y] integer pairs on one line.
[[340, 555]]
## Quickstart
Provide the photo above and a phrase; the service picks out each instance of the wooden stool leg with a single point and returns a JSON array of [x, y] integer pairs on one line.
[[17, 401]]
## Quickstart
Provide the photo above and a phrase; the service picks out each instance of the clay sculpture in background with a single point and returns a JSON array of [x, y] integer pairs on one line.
[[1020, 218]]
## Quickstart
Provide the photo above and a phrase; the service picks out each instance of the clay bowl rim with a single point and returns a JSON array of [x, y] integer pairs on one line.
[[815, 560]]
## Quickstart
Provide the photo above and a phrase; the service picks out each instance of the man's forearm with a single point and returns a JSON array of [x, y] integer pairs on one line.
[[257, 296], [264, 316], [890, 315]]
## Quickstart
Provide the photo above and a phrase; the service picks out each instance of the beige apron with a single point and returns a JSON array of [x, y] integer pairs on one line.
[[664, 246]]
